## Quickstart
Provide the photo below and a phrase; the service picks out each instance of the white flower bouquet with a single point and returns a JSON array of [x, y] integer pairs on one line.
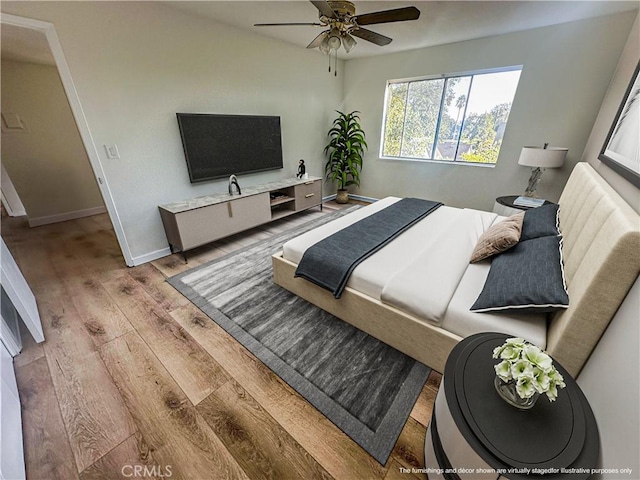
[[529, 367]]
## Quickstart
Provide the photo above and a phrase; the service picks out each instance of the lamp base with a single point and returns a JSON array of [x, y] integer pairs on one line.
[[534, 179]]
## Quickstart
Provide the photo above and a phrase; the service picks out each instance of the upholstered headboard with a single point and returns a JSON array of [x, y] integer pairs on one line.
[[601, 252]]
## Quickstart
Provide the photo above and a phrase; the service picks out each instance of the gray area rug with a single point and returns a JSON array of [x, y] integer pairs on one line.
[[362, 385]]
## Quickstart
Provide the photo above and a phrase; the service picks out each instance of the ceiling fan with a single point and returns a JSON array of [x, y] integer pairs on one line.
[[343, 24]]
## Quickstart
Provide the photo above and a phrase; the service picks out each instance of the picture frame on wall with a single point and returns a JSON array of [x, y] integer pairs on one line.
[[621, 149]]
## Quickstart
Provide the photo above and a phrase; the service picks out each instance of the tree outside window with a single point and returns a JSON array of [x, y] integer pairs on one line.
[[457, 118]]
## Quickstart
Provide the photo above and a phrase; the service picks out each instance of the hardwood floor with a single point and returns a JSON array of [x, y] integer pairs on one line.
[[133, 376]]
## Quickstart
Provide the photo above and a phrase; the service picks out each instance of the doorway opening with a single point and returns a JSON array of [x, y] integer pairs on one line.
[[82, 186]]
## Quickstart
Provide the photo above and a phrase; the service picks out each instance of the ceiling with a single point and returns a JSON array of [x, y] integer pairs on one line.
[[440, 22]]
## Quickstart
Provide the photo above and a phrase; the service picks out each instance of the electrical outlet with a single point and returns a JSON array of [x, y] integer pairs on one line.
[[112, 151]]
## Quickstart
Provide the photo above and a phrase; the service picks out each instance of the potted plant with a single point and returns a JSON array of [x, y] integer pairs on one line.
[[345, 150]]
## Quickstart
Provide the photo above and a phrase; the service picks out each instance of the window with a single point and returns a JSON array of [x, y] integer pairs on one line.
[[458, 118]]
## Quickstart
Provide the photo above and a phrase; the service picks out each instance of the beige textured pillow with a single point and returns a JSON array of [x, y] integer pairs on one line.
[[500, 237]]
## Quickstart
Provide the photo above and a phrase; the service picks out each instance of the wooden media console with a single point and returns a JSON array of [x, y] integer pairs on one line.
[[191, 223]]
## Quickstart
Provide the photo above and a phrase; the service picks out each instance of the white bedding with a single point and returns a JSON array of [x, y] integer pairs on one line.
[[426, 285], [426, 272]]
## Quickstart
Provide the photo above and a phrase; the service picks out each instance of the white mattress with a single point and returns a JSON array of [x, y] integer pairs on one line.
[[426, 272]]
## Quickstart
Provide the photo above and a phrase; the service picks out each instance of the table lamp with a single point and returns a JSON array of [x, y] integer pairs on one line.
[[540, 158]]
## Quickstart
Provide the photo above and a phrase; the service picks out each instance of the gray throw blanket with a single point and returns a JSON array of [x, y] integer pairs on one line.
[[329, 262]]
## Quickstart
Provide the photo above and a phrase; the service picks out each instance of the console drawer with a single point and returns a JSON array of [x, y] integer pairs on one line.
[[308, 194]]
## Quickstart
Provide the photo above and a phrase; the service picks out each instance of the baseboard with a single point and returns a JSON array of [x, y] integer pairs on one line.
[[63, 217], [148, 257], [12, 212], [363, 198], [351, 195]]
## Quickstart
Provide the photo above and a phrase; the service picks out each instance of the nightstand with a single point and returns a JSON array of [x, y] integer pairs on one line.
[[475, 434], [504, 206]]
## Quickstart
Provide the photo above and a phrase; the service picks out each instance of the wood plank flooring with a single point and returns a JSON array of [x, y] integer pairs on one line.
[[133, 376]]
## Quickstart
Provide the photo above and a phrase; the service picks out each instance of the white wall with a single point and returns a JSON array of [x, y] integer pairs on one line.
[[46, 162], [566, 71], [610, 378], [135, 64]]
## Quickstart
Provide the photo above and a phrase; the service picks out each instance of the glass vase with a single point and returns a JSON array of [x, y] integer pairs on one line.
[[507, 391]]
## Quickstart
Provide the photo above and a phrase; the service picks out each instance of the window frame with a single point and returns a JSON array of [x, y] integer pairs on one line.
[[442, 76]]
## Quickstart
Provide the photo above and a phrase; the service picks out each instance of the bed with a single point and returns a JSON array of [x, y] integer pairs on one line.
[[390, 296]]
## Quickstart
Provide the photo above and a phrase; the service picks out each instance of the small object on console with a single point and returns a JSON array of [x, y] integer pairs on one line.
[[302, 169], [233, 180]]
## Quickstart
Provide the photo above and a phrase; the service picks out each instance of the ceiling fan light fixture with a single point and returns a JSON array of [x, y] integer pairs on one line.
[[348, 42], [342, 24], [324, 45], [333, 40]]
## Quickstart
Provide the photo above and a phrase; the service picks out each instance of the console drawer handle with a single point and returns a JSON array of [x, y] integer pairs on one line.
[[309, 195], [309, 183]]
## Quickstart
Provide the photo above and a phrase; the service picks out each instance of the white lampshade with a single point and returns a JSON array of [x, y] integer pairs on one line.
[[550, 157]]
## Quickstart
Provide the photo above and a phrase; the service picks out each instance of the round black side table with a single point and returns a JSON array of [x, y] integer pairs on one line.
[[475, 434], [504, 206]]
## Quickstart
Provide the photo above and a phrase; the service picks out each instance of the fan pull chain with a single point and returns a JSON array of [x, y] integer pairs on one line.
[[329, 61], [335, 70]]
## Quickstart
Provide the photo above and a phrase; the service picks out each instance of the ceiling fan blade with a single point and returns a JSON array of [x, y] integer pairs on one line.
[[318, 40], [388, 16], [324, 8], [370, 36], [286, 24]]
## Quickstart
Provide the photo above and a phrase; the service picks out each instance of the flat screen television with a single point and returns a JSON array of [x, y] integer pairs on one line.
[[217, 146]]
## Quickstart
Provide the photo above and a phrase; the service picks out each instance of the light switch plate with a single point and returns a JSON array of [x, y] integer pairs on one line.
[[12, 123], [112, 151]]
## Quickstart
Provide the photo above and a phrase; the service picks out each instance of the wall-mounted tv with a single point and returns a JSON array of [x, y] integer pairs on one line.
[[217, 146]]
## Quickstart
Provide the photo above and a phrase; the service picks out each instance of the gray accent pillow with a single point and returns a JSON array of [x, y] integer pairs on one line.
[[541, 222], [526, 278]]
